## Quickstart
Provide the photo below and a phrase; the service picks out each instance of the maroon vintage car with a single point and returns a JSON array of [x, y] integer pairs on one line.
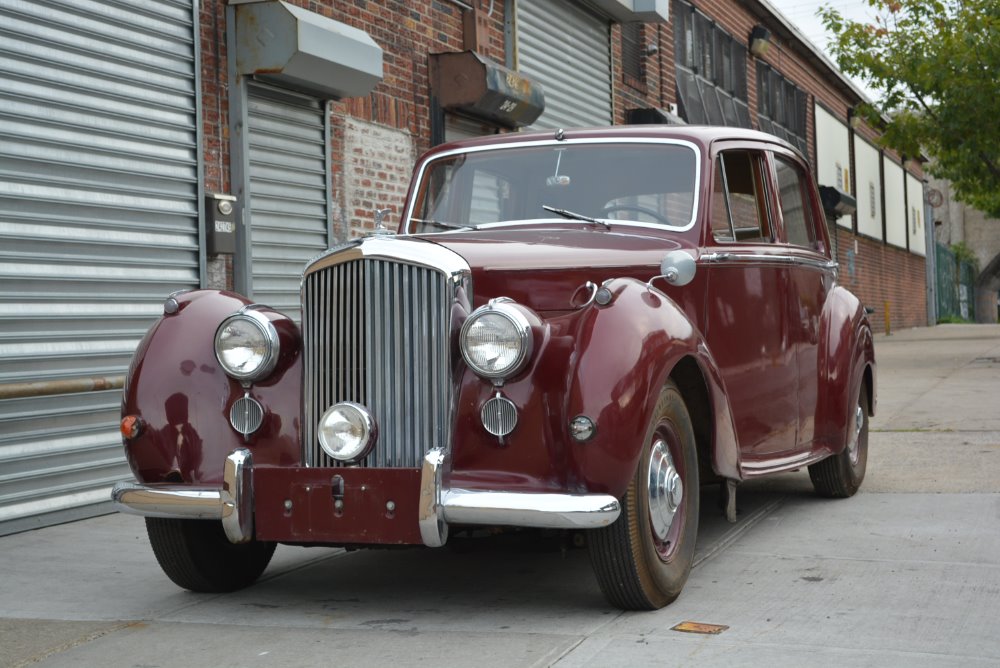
[[570, 330]]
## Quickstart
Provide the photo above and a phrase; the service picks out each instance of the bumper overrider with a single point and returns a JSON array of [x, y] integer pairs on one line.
[[437, 505]]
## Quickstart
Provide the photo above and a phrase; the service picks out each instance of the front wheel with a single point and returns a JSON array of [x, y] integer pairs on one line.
[[839, 476], [643, 560], [196, 555]]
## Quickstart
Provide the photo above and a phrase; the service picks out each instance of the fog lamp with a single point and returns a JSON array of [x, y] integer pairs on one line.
[[347, 432]]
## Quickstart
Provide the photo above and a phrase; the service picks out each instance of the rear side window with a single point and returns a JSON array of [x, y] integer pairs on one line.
[[739, 200], [796, 214]]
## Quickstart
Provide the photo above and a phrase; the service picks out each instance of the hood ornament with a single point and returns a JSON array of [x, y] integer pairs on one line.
[[380, 229]]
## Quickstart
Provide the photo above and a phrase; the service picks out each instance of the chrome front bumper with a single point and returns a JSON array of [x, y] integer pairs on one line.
[[438, 505], [233, 503]]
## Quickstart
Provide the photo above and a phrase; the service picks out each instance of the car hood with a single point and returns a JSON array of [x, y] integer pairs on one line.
[[545, 266]]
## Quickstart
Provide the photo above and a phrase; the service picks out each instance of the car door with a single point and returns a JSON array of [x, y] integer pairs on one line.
[[746, 323], [811, 276]]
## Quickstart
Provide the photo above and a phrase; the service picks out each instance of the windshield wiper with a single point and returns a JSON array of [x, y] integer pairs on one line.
[[565, 213], [438, 223]]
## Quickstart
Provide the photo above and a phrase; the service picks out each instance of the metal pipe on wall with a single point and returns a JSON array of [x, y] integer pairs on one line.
[[65, 386]]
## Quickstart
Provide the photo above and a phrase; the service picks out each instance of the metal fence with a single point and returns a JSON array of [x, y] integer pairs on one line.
[[955, 286]]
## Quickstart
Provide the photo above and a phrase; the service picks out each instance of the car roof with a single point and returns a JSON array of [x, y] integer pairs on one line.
[[702, 135]]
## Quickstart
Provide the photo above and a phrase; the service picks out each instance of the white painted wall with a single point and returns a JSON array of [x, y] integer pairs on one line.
[[895, 203], [915, 208], [869, 184], [833, 155]]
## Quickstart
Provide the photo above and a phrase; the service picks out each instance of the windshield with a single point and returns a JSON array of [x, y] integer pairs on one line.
[[648, 182]]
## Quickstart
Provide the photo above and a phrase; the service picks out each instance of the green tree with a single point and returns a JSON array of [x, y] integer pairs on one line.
[[936, 67]]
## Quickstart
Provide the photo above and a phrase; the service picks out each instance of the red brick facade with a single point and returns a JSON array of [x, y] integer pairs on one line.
[[887, 279], [400, 105]]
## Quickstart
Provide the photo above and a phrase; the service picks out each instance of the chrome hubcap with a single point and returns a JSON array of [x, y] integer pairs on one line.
[[853, 446], [666, 490]]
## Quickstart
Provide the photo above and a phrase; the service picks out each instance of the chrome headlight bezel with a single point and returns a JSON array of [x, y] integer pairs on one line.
[[519, 320], [268, 337]]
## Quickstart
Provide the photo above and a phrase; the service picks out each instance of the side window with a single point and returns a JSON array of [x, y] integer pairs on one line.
[[739, 201], [797, 216]]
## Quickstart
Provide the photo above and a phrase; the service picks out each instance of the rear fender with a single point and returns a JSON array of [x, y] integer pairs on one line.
[[846, 360]]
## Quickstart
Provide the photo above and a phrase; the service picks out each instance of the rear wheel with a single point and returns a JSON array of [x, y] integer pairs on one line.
[[196, 555], [643, 560], [839, 476]]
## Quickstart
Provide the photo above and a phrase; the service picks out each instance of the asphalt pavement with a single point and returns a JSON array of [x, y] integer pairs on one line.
[[907, 572]]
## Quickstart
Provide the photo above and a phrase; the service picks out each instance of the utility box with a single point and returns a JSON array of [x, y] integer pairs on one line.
[[220, 223]]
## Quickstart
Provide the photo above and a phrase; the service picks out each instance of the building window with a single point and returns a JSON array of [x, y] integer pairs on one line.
[[711, 70], [781, 107], [633, 55]]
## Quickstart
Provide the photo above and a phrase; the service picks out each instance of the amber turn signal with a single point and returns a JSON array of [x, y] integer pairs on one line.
[[131, 426]]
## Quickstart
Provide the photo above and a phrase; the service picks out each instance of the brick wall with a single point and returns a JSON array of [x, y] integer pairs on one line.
[[376, 139], [891, 280], [376, 173]]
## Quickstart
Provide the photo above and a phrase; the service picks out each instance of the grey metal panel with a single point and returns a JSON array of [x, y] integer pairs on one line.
[[288, 186], [568, 50], [99, 205]]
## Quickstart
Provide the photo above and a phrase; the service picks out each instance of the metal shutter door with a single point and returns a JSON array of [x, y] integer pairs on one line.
[[99, 197], [289, 195], [566, 49]]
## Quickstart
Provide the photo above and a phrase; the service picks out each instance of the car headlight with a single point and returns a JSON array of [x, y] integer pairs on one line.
[[496, 339], [347, 432], [246, 345]]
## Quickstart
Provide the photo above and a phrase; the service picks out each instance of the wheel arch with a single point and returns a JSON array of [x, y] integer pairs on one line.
[[690, 380]]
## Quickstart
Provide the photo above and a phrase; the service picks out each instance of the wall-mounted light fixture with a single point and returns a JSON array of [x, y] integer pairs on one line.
[[760, 41]]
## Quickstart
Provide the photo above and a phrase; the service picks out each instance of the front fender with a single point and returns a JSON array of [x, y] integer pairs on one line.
[[630, 349], [182, 396], [846, 357], [607, 362]]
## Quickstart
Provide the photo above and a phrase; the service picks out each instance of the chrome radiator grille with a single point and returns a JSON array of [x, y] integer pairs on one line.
[[377, 332]]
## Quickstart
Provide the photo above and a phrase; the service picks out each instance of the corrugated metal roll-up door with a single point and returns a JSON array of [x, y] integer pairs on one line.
[[567, 49], [99, 200], [289, 191], [458, 127]]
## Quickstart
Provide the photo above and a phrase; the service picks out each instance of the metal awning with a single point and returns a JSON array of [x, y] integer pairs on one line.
[[634, 11], [305, 51], [466, 82]]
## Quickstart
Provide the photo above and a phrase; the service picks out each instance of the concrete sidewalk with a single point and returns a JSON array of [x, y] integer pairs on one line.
[[905, 573]]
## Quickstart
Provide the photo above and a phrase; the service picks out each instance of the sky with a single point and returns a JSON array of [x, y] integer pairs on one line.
[[804, 14]]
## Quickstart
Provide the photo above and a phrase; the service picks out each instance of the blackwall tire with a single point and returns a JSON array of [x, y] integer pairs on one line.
[[840, 476], [196, 555], [643, 560]]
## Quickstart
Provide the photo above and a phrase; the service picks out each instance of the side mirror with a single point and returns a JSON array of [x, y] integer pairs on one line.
[[677, 268]]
